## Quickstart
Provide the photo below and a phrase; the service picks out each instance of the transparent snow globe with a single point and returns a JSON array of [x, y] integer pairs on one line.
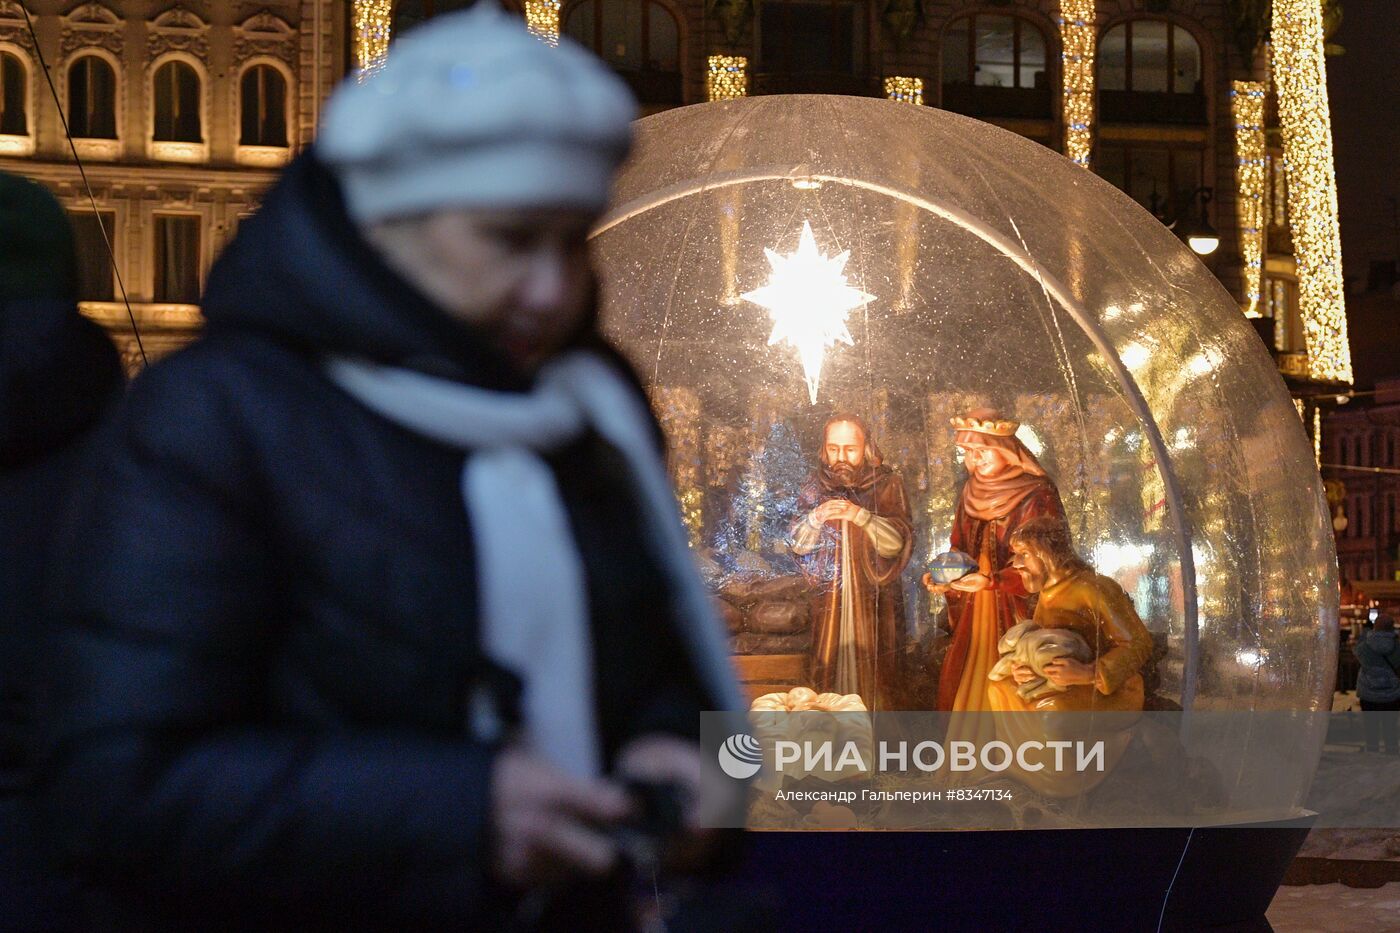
[[772, 260]]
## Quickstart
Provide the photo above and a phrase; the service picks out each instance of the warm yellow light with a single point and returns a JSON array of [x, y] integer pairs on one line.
[[1317, 435], [542, 19], [1077, 38], [1301, 76], [1247, 107], [809, 301], [371, 27], [728, 77], [905, 90], [1203, 245]]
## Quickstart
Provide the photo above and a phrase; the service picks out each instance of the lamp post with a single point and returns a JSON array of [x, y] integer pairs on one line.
[[1198, 233]]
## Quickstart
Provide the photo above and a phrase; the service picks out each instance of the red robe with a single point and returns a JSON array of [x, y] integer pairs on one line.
[[875, 594], [1012, 600]]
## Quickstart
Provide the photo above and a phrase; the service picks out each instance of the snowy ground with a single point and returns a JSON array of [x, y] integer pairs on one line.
[[1331, 908], [1348, 777]]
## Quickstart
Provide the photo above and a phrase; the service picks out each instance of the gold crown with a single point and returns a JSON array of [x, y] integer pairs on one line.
[[993, 426]]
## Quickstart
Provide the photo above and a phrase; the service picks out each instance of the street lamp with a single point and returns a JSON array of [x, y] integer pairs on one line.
[[1199, 234]]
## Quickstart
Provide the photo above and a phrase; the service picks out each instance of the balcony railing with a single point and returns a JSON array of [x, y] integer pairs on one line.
[[1152, 107], [974, 100], [654, 87], [817, 82]]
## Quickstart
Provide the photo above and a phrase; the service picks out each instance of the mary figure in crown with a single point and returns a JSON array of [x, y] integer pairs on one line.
[[1005, 487]]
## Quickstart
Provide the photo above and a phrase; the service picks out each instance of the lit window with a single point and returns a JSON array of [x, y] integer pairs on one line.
[[995, 66], [94, 262], [263, 102], [1150, 71], [177, 259], [177, 93], [14, 95], [92, 99]]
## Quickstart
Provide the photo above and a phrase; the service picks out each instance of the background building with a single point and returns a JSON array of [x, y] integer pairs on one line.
[[180, 114], [1361, 462]]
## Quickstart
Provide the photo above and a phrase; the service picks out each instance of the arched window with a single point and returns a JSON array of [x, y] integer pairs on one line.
[[92, 98], [994, 65], [14, 96], [638, 38], [263, 107], [177, 93], [1150, 71]]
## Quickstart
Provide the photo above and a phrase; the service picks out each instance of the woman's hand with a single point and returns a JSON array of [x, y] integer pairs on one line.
[[708, 794], [1023, 674]]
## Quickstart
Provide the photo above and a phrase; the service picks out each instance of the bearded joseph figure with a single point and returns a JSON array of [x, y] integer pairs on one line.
[[853, 542], [1005, 488]]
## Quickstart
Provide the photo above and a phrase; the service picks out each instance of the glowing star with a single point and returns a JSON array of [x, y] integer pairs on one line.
[[809, 300]]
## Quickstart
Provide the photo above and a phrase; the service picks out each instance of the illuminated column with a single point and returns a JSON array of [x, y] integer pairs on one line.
[[678, 410], [1301, 76], [1077, 40], [1317, 435], [1247, 106], [728, 77], [370, 30], [542, 18], [905, 90]]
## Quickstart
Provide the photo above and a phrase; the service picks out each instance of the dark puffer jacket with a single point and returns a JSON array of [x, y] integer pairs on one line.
[[58, 372], [1379, 678], [270, 618]]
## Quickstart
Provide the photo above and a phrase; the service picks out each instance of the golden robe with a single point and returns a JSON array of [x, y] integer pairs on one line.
[[1097, 609]]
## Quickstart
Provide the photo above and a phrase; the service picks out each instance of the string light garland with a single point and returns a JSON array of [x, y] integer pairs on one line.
[[1301, 76], [728, 77], [542, 19], [1077, 38], [904, 89], [1247, 107], [1317, 435], [371, 27]]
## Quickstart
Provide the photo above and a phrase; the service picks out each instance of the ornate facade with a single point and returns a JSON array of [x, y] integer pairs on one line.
[[208, 98], [180, 113], [1160, 97]]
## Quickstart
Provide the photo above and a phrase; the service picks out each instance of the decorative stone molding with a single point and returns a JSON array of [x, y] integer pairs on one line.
[[178, 30], [91, 25], [100, 150], [13, 27], [263, 156], [265, 33]]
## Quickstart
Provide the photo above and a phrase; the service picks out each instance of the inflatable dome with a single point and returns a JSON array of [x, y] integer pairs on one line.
[[772, 260]]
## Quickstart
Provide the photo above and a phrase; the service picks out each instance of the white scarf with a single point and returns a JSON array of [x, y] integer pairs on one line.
[[530, 579]]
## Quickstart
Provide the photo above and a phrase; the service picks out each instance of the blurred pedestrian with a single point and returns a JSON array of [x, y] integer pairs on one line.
[[58, 371], [1378, 685], [379, 596]]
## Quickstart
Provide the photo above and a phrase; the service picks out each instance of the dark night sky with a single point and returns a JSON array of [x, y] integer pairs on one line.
[[1364, 92]]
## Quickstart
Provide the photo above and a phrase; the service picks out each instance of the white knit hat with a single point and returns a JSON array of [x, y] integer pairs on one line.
[[471, 110]]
